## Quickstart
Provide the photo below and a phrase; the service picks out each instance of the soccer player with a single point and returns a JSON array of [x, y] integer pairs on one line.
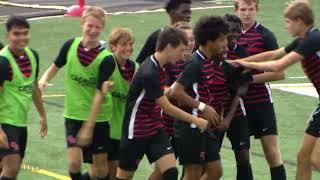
[[19, 67], [143, 131], [192, 91], [172, 74], [84, 58], [299, 20], [178, 10], [227, 80], [118, 73], [258, 103]]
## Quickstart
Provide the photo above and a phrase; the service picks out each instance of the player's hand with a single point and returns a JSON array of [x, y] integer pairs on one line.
[[223, 126], [85, 134], [242, 90], [202, 124], [211, 115], [107, 86], [43, 127], [42, 84], [3, 140]]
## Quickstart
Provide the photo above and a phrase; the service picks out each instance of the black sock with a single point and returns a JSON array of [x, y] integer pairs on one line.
[[85, 176], [6, 178], [278, 173], [104, 178], [244, 172], [119, 178], [75, 176]]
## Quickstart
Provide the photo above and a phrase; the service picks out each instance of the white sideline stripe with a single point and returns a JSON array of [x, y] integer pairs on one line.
[[273, 86], [298, 77], [306, 89]]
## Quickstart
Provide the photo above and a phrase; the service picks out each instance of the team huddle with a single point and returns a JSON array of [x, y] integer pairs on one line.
[[188, 87]]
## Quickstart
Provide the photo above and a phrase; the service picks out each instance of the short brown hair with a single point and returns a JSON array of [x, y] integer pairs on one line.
[[94, 11], [120, 33], [236, 3], [171, 35], [300, 9]]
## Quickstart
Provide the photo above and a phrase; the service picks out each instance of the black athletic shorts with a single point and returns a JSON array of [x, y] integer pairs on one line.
[[133, 150], [313, 128], [261, 119], [99, 142], [194, 147], [113, 152], [17, 140], [237, 133]]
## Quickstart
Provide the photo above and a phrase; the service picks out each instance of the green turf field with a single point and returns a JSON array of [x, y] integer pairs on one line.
[[49, 34]]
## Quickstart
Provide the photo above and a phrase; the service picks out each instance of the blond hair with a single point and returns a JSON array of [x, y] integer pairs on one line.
[[94, 11], [236, 3], [300, 9], [120, 33]]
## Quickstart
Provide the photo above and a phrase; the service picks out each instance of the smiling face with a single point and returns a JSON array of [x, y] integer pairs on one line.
[[219, 46], [191, 43], [18, 37], [123, 48], [175, 54], [92, 28]]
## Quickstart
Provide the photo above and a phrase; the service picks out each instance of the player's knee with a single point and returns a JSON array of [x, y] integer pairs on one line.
[[273, 157], [124, 175], [170, 174], [74, 165], [192, 171], [11, 169], [214, 174], [303, 157], [242, 157], [315, 162]]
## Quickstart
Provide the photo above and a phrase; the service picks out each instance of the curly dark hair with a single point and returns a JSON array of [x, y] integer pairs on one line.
[[210, 28], [174, 4]]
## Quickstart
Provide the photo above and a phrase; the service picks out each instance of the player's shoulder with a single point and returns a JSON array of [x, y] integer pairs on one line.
[[314, 34], [148, 69], [263, 30]]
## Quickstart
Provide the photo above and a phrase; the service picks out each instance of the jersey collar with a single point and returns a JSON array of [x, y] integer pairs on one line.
[[255, 25], [202, 56]]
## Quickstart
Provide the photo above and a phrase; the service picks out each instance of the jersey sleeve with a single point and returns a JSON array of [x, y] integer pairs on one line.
[[106, 69], [308, 47], [149, 47], [36, 55], [270, 41], [290, 47], [61, 60], [190, 74], [4, 64], [153, 87]]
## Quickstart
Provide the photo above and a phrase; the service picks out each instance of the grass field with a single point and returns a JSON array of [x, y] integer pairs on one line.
[[49, 34]]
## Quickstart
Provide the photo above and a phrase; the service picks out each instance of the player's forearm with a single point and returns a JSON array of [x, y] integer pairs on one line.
[[177, 113], [95, 107], [232, 110], [268, 76], [37, 101], [266, 56], [183, 98], [50, 73]]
